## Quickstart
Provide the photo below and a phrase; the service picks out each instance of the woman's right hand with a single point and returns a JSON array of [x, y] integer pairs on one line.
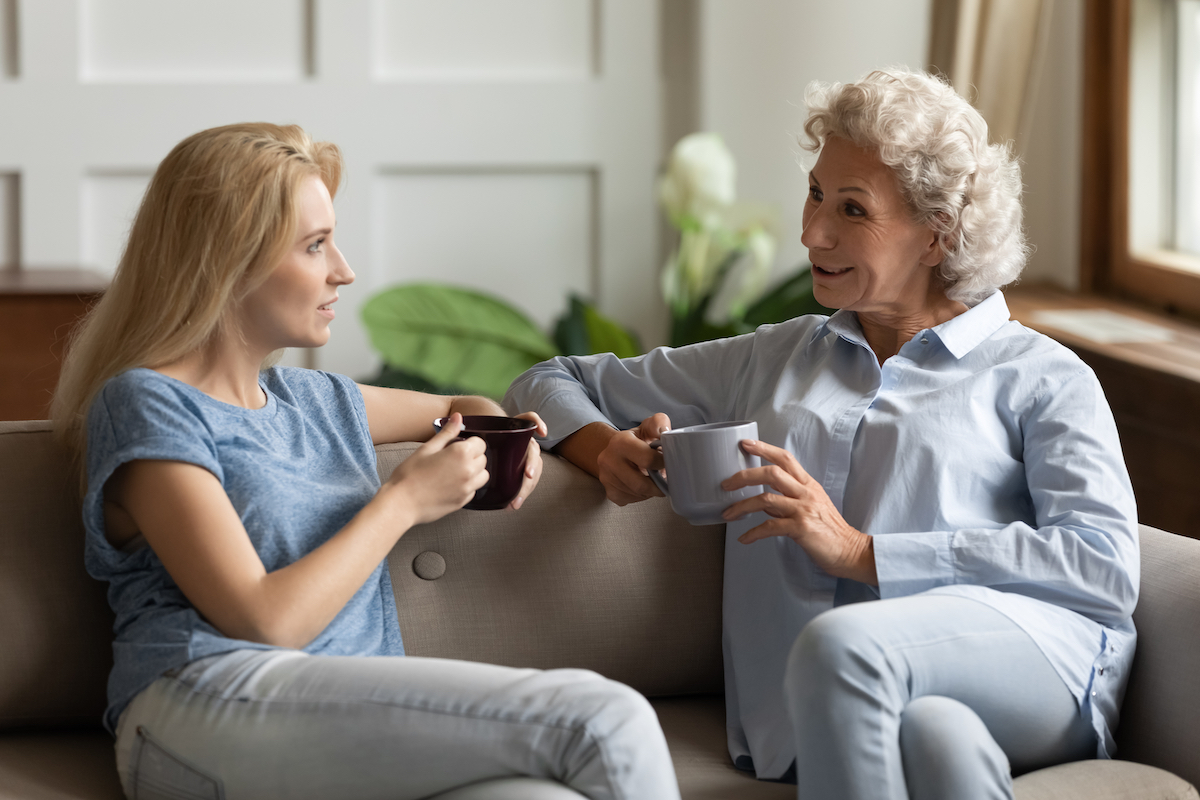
[[624, 465], [442, 475]]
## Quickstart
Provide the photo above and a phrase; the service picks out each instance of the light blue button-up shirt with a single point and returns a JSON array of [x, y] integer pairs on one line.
[[982, 457]]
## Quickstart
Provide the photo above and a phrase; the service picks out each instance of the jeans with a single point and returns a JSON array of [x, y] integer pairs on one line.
[[280, 723], [931, 697]]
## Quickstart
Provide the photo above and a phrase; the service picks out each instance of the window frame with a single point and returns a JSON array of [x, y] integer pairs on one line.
[[1107, 262]]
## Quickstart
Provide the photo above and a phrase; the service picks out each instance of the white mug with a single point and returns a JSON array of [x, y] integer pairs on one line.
[[698, 458]]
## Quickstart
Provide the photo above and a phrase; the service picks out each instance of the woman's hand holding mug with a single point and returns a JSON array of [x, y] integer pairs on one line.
[[533, 460], [625, 463], [443, 474], [801, 510]]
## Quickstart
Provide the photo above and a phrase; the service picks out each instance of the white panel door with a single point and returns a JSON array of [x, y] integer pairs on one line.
[[509, 145]]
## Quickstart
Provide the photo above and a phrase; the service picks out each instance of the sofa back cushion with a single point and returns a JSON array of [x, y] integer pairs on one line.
[[55, 625], [569, 580], [1159, 719]]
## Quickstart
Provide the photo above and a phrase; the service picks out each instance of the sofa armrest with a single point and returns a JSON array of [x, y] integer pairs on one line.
[[55, 624], [1162, 702]]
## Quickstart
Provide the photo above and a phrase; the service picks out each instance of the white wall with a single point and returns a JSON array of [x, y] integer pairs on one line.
[[510, 145], [756, 58], [563, 117]]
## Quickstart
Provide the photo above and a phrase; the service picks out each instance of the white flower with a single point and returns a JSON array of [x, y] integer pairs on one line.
[[746, 279], [692, 269], [762, 252], [700, 178]]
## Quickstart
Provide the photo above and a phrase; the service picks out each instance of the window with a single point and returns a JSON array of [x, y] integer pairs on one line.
[[1141, 202], [1187, 127]]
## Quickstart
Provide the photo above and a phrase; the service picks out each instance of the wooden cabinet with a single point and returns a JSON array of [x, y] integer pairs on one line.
[[1153, 388], [38, 310]]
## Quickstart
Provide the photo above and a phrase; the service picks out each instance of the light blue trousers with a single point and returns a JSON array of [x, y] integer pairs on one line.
[[283, 724], [927, 697]]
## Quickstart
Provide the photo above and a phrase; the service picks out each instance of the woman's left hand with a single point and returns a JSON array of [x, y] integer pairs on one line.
[[803, 512], [533, 460]]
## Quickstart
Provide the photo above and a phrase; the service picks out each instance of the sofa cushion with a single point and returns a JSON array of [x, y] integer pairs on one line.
[[1102, 780], [646, 612], [695, 730], [1162, 702], [59, 766], [54, 620]]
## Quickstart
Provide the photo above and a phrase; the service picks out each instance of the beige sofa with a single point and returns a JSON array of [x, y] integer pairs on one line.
[[570, 580]]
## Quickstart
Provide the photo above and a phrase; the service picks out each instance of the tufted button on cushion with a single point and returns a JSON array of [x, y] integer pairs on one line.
[[429, 565]]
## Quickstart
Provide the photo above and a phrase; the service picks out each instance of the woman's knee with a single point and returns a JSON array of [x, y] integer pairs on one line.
[[608, 706], [931, 726], [632, 709], [948, 751], [834, 646]]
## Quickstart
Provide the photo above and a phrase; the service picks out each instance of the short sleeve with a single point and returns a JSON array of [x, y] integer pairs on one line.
[[138, 415]]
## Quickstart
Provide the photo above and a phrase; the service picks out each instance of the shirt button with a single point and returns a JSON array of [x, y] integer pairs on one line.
[[1100, 671], [924, 340], [1093, 694]]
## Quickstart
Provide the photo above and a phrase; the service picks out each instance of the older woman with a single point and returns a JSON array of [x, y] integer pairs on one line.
[[921, 450]]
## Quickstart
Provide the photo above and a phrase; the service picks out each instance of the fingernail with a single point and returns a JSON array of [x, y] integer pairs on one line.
[[518, 502]]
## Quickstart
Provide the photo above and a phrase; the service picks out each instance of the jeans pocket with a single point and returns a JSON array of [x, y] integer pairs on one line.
[[159, 774]]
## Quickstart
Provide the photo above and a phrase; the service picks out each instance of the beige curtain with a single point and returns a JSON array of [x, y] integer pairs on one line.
[[991, 50]]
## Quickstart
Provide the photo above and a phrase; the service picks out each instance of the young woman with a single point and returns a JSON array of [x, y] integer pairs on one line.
[[235, 511]]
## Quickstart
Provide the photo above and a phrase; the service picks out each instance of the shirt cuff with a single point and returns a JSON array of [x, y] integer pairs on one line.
[[908, 563], [564, 413]]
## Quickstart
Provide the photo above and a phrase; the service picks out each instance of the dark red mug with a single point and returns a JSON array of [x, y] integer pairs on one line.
[[507, 441]]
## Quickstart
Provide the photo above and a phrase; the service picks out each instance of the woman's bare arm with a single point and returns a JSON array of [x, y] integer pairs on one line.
[[620, 459], [399, 415], [186, 517], [583, 447]]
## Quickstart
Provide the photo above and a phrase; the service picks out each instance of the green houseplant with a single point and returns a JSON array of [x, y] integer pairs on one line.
[[714, 281], [450, 340]]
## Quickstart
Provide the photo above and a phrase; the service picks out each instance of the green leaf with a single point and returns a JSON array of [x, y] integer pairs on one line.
[[792, 298], [693, 328], [570, 331], [454, 337], [606, 336], [583, 330]]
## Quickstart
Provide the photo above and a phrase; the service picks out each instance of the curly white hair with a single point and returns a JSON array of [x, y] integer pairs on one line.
[[966, 190]]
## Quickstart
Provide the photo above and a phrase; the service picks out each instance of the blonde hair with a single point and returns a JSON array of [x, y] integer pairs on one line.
[[217, 218], [936, 143]]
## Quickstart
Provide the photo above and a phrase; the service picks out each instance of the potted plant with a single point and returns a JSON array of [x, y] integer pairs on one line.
[[715, 280]]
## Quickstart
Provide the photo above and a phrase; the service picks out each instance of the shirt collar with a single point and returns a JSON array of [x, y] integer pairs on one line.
[[963, 333], [959, 335], [845, 324]]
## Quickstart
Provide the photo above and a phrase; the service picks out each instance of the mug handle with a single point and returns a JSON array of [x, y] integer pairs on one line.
[[656, 475]]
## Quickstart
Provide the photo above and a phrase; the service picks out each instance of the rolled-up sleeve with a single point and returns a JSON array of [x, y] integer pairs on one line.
[[692, 385]]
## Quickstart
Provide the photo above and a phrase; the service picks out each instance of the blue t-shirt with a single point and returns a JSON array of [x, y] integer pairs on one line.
[[296, 470]]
